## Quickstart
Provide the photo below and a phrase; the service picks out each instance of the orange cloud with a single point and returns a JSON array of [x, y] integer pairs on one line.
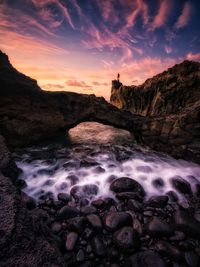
[[139, 7], [53, 87], [75, 83], [185, 16]]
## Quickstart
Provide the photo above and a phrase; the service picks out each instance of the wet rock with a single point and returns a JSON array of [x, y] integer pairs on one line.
[[73, 179], [80, 256], [134, 205], [145, 259], [29, 201], [186, 223], [99, 247], [181, 185], [158, 183], [88, 163], [126, 238], [111, 178], [56, 227], [88, 210], [129, 195], [95, 221], [137, 226], [157, 201], [71, 240], [67, 212], [47, 172], [76, 224], [172, 196], [158, 228], [63, 186], [115, 220], [88, 233], [99, 170], [99, 203], [178, 236], [169, 250], [88, 190], [20, 183], [192, 258], [71, 165], [126, 184], [64, 197]]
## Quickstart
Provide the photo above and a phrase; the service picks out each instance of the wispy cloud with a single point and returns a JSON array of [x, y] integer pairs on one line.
[[139, 8], [80, 84], [168, 49], [185, 16], [162, 15], [51, 86], [192, 56]]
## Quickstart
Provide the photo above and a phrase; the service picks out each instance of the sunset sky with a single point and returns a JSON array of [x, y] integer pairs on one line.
[[81, 45]]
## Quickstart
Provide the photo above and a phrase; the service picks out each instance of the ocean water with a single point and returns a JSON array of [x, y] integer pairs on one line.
[[98, 154]]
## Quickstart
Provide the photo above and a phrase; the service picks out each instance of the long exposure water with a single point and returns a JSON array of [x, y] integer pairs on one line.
[[98, 154]]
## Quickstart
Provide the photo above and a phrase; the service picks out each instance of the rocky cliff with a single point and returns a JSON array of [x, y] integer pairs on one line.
[[170, 102]]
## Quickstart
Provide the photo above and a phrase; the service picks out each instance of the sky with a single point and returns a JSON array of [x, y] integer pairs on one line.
[[81, 45]]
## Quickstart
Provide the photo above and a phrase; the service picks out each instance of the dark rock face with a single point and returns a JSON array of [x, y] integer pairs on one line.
[[170, 102], [22, 242], [29, 114]]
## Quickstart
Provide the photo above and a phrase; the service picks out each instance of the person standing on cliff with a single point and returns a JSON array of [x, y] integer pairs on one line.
[[118, 76]]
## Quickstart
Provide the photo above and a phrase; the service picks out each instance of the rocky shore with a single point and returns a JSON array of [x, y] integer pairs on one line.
[[127, 229]]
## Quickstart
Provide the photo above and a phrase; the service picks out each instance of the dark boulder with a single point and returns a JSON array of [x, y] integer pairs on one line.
[[115, 220], [158, 228], [125, 184], [126, 238], [145, 259]]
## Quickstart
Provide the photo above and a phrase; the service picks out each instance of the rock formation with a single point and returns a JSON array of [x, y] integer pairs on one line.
[[170, 102], [29, 114]]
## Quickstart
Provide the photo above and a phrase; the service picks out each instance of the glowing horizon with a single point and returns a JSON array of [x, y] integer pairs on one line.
[[80, 46]]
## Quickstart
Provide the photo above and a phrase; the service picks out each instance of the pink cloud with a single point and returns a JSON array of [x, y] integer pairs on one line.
[[191, 56], [139, 7], [162, 15], [59, 4], [51, 86], [75, 83], [185, 16]]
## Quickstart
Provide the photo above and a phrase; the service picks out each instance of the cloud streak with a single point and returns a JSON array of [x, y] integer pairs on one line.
[[185, 16]]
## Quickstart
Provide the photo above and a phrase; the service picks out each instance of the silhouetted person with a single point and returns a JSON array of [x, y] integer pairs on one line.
[[118, 76]]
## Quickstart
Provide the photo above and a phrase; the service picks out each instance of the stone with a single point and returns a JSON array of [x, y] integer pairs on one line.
[[64, 197], [99, 247], [129, 195], [80, 256], [73, 179], [158, 228], [158, 183], [134, 205], [186, 223], [169, 250], [84, 191], [56, 227], [146, 258], [181, 185], [137, 226], [126, 238], [115, 220], [192, 258], [99, 169], [71, 240], [125, 184], [76, 224], [88, 210], [67, 212], [157, 201], [95, 221]]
